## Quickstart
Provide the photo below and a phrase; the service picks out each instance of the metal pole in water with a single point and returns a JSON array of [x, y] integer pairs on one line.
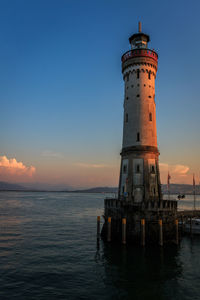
[[143, 232], [176, 224], [124, 231], [109, 230], [98, 227], [160, 233]]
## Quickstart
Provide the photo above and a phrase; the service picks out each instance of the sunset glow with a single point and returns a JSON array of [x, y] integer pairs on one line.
[[61, 114]]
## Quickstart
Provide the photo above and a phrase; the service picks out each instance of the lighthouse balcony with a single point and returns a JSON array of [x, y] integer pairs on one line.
[[139, 53]]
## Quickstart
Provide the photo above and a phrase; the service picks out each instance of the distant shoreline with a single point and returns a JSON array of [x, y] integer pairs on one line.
[[82, 192], [184, 189]]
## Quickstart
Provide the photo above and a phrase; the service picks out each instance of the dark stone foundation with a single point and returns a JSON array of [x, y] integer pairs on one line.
[[152, 212]]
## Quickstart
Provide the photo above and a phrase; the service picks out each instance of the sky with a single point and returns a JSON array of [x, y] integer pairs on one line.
[[61, 88]]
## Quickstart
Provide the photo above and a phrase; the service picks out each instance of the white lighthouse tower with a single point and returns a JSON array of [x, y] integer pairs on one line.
[[139, 175], [140, 200]]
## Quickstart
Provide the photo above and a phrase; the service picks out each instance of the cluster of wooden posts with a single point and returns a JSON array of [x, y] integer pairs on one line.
[[123, 238]]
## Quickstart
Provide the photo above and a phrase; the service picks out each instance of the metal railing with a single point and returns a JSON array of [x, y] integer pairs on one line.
[[139, 53]]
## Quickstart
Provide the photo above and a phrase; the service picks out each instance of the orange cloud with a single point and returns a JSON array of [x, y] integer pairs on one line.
[[178, 173], [180, 170], [13, 167]]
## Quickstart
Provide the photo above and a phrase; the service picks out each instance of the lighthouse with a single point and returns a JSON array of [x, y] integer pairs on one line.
[[139, 175], [139, 207]]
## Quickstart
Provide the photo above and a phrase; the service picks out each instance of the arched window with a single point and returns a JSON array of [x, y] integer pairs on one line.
[[149, 75], [150, 117], [126, 118], [138, 137], [138, 73]]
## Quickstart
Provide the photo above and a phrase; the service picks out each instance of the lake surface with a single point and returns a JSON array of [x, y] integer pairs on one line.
[[48, 250]]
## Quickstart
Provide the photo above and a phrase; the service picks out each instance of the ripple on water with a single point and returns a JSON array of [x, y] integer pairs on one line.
[[48, 250]]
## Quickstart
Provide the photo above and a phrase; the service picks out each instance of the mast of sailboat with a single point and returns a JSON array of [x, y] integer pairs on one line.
[[168, 185], [194, 191]]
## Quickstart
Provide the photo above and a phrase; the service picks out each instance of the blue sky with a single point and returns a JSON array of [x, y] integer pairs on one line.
[[61, 88]]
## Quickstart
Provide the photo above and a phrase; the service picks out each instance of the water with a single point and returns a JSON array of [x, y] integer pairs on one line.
[[187, 203], [48, 250]]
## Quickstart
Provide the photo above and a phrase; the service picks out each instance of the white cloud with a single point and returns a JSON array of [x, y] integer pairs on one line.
[[181, 169], [13, 167]]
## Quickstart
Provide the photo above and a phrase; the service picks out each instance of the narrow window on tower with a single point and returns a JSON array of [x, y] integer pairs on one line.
[[149, 75], [150, 117], [153, 169], [126, 118], [138, 136], [138, 73], [124, 169], [127, 76], [138, 168]]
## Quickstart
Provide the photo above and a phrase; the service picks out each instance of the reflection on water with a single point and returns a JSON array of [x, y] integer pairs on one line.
[[48, 250], [141, 273]]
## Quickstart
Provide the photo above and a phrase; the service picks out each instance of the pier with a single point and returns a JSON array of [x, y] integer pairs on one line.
[[159, 224], [186, 214]]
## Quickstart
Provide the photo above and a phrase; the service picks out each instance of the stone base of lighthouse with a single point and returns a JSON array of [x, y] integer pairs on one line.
[[151, 212], [140, 198], [139, 175]]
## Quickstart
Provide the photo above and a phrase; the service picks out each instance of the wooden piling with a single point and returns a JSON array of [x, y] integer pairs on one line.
[[190, 226], [176, 225], [143, 232], [124, 231], [109, 230], [98, 227], [160, 233]]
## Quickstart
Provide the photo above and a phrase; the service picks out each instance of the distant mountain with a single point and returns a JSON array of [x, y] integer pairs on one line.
[[98, 190], [174, 188], [5, 186], [41, 186], [180, 189]]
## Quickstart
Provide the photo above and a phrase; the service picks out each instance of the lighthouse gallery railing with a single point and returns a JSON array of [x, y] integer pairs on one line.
[[139, 52]]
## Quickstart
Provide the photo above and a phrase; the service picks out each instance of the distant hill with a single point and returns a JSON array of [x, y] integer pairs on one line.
[[174, 189], [98, 190], [6, 186], [180, 189]]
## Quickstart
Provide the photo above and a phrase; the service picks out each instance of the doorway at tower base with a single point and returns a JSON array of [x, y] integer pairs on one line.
[[115, 210]]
